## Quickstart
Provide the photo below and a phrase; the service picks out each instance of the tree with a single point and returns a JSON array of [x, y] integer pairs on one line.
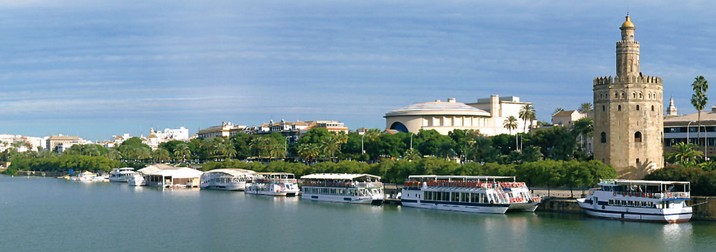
[[527, 113], [685, 155], [510, 123], [699, 99], [583, 128], [182, 152], [585, 108], [557, 110]]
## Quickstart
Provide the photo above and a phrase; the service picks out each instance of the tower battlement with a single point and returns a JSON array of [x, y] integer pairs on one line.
[[622, 42], [643, 79]]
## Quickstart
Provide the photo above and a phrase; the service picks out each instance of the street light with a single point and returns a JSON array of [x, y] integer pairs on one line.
[[687, 131], [362, 135]]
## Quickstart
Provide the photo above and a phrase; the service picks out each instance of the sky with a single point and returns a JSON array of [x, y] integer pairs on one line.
[[102, 68]]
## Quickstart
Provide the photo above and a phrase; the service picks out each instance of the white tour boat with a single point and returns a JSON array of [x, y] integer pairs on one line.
[[227, 179], [274, 184], [476, 194], [639, 200], [347, 188], [137, 180], [121, 174]]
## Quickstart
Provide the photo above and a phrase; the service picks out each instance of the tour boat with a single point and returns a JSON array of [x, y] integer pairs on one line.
[[346, 188], [121, 174], [475, 194], [639, 200], [274, 184], [137, 180], [227, 179]]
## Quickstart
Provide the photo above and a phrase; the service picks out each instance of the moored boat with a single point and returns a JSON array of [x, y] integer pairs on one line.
[[345, 188], [639, 200], [475, 194], [137, 180], [274, 184], [227, 179], [121, 174]]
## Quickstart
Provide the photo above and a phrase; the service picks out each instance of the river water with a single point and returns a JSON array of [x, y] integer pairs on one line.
[[47, 214]]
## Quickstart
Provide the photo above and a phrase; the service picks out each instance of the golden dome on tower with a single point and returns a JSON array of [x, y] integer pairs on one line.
[[627, 23]]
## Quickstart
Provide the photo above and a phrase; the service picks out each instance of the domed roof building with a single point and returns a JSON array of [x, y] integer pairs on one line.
[[486, 115]]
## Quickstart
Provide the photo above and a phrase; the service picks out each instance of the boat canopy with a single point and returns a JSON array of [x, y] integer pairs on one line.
[[606, 182], [170, 171], [454, 177], [232, 171], [339, 176]]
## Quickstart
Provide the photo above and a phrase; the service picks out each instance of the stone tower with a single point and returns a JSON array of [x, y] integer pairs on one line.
[[628, 113]]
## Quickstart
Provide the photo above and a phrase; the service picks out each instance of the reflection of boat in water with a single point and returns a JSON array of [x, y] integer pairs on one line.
[[121, 174], [227, 179], [274, 184], [344, 188], [476, 194], [639, 200]]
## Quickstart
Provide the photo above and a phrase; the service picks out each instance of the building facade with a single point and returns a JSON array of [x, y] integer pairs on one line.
[[628, 113], [566, 118], [486, 115], [60, 143], [686, 128], [226, 129]]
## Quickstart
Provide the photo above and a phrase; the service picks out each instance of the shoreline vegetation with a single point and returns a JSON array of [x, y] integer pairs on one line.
[[548, 158]]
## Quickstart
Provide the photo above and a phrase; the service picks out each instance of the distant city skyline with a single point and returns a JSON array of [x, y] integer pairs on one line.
[[97, 68]]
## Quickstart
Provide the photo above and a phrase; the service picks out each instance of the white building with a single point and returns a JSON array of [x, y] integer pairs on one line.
[[566, 118], [486, 115], [157, 137], [20, 143]]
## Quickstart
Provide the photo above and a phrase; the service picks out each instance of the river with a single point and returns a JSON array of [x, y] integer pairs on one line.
[[47, 214]]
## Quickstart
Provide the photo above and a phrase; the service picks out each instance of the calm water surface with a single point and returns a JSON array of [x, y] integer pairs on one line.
[[47, 214]]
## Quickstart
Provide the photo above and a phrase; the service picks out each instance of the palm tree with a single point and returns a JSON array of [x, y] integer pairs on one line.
[[699, 99], [510, 124], [583, 127], [585, 108], [527, 113], [309, 151], [182, 151], [333, 142], [685, 154]]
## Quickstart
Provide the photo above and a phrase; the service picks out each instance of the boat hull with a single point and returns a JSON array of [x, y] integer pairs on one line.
[[377, 200], [524, 207], [470, 208], [637, 214], [239, 186]]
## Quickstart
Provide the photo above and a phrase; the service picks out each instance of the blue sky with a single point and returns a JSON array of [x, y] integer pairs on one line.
[[102, 68]]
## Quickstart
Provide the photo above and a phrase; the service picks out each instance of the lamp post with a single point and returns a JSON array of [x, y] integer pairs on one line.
[[362, 135], [687, 131]]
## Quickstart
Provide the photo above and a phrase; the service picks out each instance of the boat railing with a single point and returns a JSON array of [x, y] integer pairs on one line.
[[469, 184], [346, 184], [658, 195]]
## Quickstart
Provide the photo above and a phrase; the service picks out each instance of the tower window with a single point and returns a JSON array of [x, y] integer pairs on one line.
[[623, 95], [637, 137], [633, 95], [604, 108], [652, 107], [616, 95], [619, 108], [641, 95], [603, 137], [637, 107], [638, 162]]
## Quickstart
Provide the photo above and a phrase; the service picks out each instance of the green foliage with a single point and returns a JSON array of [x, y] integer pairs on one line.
[[703, 183]]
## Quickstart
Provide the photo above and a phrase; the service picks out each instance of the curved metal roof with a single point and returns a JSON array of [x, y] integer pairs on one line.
[[438, 108]]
